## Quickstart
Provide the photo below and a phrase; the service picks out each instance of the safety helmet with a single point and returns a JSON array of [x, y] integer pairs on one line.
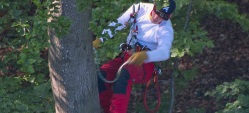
[[165, 12]]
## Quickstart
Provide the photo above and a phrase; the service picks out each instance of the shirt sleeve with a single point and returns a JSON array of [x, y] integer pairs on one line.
[[162, 52], [121, 20]]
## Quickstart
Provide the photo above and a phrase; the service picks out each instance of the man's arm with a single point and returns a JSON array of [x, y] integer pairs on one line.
[[162, 52], [123, 19]]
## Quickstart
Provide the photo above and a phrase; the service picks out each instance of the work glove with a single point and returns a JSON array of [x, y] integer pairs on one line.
[[96, 43], [138, 58]]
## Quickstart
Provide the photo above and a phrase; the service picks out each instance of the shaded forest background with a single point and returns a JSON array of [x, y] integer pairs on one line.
[[227, 61]]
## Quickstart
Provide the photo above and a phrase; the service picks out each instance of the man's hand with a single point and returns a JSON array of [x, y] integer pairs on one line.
[[138, 58], [96, 43]]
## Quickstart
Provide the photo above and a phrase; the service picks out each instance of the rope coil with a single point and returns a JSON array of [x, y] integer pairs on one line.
[[118, 74], [158, 96]]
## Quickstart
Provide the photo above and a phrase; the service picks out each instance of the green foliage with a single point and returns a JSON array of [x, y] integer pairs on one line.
[[185, 76], [223, 10], [83, 4], [24, 25], [192, 39], [24, 95], [234, 94], [189, 41]]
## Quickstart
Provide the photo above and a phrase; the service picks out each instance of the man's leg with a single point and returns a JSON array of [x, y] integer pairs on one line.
[[122, 87], [108, 71], [122, 91], [105, 93]]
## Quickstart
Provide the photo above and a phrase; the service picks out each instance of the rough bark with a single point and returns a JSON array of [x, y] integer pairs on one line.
[[71, 64]]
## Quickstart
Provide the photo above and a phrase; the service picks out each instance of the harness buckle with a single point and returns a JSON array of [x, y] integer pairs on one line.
[[140, 47], [124, 46]]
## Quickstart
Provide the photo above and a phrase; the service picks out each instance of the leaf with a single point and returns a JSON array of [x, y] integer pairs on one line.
[[30, 69], [31, 61], [42, 90]]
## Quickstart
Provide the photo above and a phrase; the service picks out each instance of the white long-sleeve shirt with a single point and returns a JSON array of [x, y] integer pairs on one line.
[[157, 37]]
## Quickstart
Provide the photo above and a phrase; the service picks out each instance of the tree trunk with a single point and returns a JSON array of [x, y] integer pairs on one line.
[[71, 64]]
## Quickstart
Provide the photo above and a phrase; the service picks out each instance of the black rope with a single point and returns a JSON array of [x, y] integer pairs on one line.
[[172, 87]]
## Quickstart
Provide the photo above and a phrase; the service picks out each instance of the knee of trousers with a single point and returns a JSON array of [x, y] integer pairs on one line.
[[101, 83], [119, 87]]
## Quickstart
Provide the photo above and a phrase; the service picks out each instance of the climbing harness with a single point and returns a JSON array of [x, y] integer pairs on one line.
[[133, 23]]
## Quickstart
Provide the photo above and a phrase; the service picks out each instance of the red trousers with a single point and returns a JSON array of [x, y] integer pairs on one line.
[[114, 97]]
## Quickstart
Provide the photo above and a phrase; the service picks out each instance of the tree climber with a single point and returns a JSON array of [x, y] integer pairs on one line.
[[149, 41]]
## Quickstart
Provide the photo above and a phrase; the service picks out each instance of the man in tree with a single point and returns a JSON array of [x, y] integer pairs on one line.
[[149, 41]]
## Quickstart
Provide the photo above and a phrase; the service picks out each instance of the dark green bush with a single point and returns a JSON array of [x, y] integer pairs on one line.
[[232, 97], [24, 95]]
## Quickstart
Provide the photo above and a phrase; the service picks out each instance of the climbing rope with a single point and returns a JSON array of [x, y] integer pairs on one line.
[[158, 72], [158, 96], [117, 76]]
